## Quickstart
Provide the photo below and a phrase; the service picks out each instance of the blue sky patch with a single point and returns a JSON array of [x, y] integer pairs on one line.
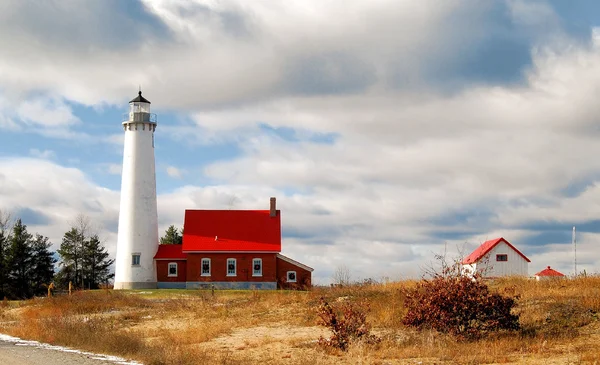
[[289, 134], [32, 217]]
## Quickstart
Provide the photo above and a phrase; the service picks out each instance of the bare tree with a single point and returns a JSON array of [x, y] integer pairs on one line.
[[5, 233], [233, 200], [446, 266], [83, 224], [341, 275], [5, 221]]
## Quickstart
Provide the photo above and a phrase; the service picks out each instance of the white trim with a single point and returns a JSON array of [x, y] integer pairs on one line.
[[169, 269], [209, 266], [287, 277], [295, 263], [172, 259], [260, 273], [234, 267]]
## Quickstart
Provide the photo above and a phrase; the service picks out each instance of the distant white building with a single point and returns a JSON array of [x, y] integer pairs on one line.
[[496, 258], [549, 274]]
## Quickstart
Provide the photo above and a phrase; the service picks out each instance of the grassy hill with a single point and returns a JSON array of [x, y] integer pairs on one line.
[[559, 322]]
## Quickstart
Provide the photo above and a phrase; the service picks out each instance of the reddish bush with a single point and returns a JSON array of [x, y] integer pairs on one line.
[[352, 327], [458, 305]]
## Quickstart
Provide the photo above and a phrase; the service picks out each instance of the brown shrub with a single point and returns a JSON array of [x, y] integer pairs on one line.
[[352, 326], [460, 306]]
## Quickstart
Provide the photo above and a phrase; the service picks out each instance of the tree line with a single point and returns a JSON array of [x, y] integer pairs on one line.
[[28, 266]]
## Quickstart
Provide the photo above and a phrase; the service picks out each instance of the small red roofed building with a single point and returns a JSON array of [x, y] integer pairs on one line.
[[496, 258], [548, 274], [230, 249]]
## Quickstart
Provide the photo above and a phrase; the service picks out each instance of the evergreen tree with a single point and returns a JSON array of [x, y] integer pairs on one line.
[[96, 264], [172, 236], [19, 261], [63, 276], [83, 259], [71, 251], [42, 264]]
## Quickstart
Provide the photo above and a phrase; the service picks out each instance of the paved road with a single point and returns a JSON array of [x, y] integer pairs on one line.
[[16, 352]]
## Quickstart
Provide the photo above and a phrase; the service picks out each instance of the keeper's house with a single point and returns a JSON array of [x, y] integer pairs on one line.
[[230, 249]]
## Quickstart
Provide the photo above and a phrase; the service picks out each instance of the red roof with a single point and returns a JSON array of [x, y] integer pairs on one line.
[[549, 272], [170, 252], [231, 230], [486, 247]]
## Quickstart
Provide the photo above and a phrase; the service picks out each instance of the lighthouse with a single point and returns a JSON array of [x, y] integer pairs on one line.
[[137, 240]]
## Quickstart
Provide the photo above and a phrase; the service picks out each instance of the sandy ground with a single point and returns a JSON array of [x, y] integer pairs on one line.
[[16, 353], [265, 343]]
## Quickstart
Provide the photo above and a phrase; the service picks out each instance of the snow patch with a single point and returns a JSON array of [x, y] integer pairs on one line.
[[20, 342]]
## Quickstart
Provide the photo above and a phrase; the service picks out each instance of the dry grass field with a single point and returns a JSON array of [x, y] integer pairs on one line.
[[559, 325]]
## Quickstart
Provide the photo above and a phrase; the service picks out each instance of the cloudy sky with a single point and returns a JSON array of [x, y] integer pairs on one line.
[[387, 130]]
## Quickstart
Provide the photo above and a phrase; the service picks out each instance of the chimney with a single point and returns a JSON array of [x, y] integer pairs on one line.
[[273, 211]]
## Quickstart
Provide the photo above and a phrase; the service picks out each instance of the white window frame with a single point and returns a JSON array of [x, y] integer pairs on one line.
[[257, 260], [231, 259], [287, 276], [202, 264], [169, 269], [139, 259]]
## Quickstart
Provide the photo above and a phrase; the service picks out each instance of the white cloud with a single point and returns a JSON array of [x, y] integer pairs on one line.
[[115, 139], [115, 169], [45, 154], [174, 172], [535, 14], [300, 47], [46, 112], [8, 124], [57, 194], [49, 117], [409, 163], [396, 167], [6, 121]]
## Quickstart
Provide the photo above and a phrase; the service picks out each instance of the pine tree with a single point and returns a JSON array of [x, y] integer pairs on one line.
[[172, 236], [42, 264], [83, 259], [70, 251], [64, 276], [96, 264], [19, 261]]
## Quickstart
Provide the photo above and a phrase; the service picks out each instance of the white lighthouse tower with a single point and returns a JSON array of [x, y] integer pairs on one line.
[[137, 241]]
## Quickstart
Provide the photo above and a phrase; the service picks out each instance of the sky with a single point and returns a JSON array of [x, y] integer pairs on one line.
[[389, 131]]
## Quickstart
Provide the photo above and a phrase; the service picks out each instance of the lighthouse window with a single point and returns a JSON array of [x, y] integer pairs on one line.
[[291, 276], [172, 269], [205, 267], [231, 266], [135, 259], [256, 267]]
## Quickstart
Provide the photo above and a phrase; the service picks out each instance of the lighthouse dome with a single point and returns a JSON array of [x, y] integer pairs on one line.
[[140, 99]]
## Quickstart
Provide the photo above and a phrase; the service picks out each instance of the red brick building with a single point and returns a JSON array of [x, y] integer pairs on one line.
[[234, 249]]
